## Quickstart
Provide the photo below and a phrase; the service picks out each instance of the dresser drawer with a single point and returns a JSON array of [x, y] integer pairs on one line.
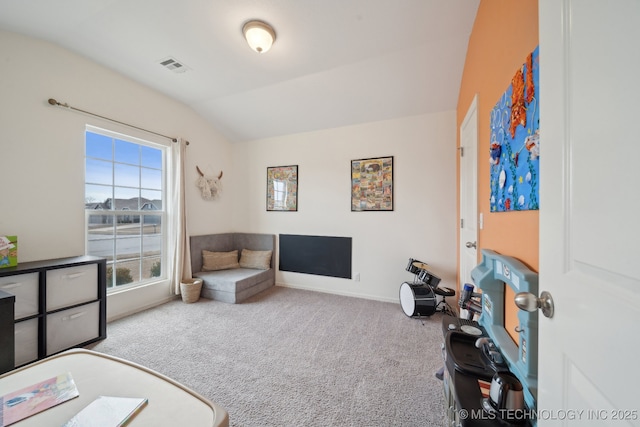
[[25, 289], [26, 341], [71, 327], [72, 285]]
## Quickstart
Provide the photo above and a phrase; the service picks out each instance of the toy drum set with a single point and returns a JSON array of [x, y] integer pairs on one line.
[[418, 299]]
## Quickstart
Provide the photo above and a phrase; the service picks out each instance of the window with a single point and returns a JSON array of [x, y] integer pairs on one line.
[[125, 207]]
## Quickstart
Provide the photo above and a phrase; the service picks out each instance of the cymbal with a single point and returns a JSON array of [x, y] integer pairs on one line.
[[420, 265]]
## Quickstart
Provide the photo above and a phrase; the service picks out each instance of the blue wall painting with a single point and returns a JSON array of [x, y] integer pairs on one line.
[[515, 142]]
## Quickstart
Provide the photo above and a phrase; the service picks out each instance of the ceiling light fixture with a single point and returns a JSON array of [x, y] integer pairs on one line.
[[259, 35]]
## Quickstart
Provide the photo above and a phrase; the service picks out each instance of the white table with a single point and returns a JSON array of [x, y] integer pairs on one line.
[[97, 374]]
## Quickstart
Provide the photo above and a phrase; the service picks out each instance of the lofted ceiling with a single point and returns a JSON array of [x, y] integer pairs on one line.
[[334, 62]]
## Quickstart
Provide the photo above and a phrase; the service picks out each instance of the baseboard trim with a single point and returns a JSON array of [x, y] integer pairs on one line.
[[155, 303], [346, 294]]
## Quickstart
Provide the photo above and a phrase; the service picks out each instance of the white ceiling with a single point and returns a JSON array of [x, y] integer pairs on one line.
[[334, 62]]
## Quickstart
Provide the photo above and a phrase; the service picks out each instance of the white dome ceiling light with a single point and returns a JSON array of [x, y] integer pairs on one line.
[[259, 35]]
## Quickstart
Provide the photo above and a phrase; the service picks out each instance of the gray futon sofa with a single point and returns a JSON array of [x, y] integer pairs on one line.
[[233, 285]]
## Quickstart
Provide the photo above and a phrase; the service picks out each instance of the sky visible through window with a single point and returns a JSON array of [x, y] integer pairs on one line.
[[121, 170]]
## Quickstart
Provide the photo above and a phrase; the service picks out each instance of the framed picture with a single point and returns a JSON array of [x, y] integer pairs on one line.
[[282, 188], [372, 184], [515, 142]]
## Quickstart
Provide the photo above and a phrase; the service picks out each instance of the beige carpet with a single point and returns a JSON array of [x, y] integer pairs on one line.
[[289, 357]]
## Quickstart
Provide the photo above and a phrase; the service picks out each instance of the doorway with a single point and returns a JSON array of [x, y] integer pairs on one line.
[[468, 244]]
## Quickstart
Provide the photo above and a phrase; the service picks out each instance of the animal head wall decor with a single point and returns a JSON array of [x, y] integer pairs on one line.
[[209, 186]]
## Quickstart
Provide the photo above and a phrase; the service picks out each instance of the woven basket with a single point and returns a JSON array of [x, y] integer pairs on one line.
[[190, 290]]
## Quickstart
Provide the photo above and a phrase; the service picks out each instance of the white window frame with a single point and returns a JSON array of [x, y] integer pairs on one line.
[[163, 212]]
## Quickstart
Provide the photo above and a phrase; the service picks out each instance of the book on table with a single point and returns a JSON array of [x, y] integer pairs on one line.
[[28, 401], [108, 411]]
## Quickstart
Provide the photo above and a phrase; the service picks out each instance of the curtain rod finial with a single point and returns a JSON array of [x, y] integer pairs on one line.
[[65, 105]]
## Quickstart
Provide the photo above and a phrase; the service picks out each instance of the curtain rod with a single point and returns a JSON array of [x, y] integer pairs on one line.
[[65, 105]]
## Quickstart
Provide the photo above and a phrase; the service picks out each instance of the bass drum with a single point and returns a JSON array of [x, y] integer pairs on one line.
[[417, 300]]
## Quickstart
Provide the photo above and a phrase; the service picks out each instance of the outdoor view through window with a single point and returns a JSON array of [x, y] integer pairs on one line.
[[124, 206]]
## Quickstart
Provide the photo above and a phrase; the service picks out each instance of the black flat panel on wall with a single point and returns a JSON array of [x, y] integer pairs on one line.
[[321, 255]]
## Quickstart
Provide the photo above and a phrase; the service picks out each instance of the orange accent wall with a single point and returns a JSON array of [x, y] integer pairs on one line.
[[504, 33]]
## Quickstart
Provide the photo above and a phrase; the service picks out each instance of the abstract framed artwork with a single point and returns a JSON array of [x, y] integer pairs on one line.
[[282, 188], [515, 142], [372, 184]]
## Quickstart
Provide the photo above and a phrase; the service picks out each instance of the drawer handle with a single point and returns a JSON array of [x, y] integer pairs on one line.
[[74, 316], [12, 285], [75, 275]]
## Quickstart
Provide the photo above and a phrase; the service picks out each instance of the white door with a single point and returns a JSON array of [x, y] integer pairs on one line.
[[589, 212], [468, 196]]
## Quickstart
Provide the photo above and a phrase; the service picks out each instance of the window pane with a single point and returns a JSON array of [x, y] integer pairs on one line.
[[97, 197], [99, 146], [126, 199], [100, 227], [127, 152], [128, 225], [152, 235], [151, 267], [101, 248], [127, 176], [151, 200], [151, 157], [151, 225], [100, 236], [99, 172], [151, 178], [125, 272], [128, 248]]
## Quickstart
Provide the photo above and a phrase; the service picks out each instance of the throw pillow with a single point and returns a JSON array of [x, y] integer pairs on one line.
[[260, 260], [213, 261]]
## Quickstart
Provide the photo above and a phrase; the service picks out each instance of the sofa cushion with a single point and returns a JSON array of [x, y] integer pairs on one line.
[[214, 261], [234, 280], [260, 260]]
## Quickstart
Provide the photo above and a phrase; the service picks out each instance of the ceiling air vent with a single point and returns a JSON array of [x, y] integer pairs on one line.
[[173, 65]]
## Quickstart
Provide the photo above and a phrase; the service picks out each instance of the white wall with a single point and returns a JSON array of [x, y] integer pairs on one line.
[[42, 151], [422, 225]]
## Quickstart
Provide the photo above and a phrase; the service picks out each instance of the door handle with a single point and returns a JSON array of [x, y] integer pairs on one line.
[[529, 302], [471, 245]]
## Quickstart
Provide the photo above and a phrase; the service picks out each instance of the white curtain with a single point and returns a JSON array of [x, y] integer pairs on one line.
[[179, 238]]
